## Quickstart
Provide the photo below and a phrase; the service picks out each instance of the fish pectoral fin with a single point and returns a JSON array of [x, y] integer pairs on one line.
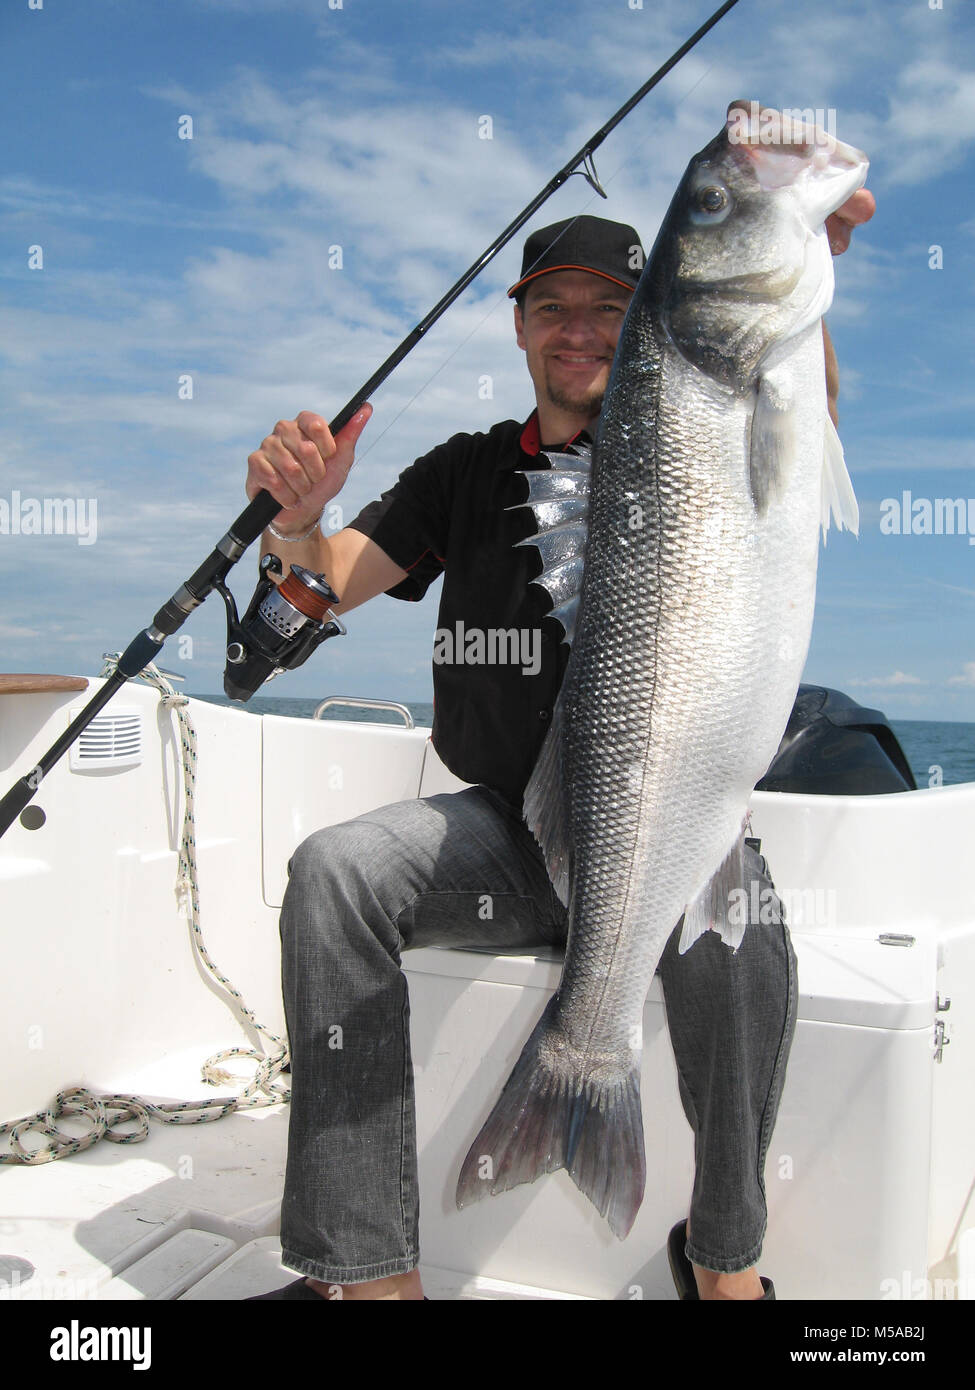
[[772, 442], [839, 499], [722, 904], [545, 809]]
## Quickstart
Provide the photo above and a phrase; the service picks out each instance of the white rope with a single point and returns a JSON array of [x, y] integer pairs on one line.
[[100, 1111]]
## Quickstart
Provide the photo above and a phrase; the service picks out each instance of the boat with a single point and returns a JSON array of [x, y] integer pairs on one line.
[[106, 993]]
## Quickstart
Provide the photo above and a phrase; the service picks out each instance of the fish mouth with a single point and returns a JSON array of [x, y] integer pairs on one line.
[[784, 150], [758, 287]]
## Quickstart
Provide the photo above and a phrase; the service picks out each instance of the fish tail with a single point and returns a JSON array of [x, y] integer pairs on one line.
[[551, 1115]]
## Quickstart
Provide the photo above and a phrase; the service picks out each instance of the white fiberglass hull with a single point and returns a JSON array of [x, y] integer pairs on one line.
[[871, 1160]]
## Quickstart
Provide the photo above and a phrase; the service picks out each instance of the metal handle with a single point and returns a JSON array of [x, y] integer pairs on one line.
[[358, 702]]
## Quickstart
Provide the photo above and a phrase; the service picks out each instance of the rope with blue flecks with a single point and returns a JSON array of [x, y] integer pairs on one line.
[[105, 1113]]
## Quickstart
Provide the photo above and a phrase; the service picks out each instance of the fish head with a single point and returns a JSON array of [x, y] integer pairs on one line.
[[742, 260]]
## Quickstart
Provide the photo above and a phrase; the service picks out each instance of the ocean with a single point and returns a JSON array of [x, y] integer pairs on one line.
[[937, 750]]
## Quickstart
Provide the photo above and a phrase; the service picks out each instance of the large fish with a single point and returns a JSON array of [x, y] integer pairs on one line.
[[714, 466]]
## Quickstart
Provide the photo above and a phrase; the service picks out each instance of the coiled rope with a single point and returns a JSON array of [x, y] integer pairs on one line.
[[106, 1113]]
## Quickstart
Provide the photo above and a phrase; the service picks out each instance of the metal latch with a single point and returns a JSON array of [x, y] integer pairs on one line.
[[941, 1041]]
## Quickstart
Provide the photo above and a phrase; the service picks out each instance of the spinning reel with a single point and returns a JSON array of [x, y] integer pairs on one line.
[[283, 625]]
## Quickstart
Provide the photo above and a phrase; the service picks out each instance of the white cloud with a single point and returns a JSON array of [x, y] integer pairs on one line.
[[899, 678], [914, 453], [967, 677], [370, 141], [13, 631], [932, 119]]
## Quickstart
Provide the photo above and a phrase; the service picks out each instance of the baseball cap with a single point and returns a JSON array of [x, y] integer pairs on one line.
[[611, 249]]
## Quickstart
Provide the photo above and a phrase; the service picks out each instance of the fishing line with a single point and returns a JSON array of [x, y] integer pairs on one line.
[[254, 653], [360, 458]]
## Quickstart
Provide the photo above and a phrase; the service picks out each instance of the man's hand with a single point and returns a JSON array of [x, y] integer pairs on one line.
[[854, 212], [839, 228], [832, 376], [303, 467]]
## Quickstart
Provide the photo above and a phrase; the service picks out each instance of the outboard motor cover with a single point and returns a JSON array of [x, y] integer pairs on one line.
[[833, 746]]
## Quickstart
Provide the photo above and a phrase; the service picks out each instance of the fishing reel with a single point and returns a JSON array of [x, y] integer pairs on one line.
[[283, 625]]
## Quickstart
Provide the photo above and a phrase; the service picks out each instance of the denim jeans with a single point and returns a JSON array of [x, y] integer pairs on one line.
[[417, 873]]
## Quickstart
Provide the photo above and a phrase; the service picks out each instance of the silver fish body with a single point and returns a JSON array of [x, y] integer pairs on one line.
[[713, 469]]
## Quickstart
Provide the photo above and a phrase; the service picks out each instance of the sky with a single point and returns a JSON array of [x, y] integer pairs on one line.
[[178, 175]]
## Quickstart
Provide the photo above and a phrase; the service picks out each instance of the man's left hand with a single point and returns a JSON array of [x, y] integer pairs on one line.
[[854, 212]]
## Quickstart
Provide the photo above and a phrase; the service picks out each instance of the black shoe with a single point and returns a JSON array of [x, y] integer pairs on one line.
[[683, 1271], [299, 1290]]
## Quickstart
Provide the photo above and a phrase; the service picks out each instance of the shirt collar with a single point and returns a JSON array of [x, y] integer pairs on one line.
[[531, 441]]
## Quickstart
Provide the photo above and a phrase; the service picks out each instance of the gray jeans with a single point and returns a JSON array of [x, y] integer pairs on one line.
[[415, 874]]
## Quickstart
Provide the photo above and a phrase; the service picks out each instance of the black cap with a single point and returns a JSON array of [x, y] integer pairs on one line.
[[611, 249]]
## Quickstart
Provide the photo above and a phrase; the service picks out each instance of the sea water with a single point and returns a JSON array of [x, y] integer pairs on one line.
[[939, 752]]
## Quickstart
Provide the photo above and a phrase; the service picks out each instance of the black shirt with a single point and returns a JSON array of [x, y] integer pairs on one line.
[[498, 661]]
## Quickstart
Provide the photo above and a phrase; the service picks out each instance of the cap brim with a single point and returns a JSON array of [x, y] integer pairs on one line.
[[551, 269]]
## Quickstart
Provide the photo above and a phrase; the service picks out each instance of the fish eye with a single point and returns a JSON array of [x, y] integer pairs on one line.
[[710, 204], [712, 199]]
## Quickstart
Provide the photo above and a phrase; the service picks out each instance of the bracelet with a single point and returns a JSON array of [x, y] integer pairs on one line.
[[280, 536]]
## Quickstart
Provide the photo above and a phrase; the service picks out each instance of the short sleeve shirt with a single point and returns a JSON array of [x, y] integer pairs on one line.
[[498, 660]]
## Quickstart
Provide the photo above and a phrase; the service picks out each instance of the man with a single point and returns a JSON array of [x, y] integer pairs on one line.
[[413, 874]]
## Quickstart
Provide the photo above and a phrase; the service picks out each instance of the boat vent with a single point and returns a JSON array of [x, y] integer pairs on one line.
[[110, 740]]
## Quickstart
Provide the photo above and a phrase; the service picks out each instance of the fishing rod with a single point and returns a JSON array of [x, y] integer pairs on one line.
[[284, 623]]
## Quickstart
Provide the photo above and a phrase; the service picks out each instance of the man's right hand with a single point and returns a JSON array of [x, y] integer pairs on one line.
[[303, 467]]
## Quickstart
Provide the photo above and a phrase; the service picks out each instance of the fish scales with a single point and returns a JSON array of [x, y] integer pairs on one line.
[[651, 599], [712, 461]]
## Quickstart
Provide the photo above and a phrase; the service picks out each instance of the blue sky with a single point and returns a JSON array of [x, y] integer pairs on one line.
[[357, 126]]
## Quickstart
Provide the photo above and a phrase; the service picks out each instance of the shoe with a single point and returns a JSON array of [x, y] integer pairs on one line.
[[298, 1291], [683, 1271]]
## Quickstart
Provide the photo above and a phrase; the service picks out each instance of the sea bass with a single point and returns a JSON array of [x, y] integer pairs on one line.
[[714, 466]]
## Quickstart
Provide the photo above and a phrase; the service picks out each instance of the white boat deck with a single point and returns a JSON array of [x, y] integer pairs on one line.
[[870, 1174], [192, 1213]]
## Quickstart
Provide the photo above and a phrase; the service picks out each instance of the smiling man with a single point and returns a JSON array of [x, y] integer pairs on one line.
[[568, 319], [416, 873]]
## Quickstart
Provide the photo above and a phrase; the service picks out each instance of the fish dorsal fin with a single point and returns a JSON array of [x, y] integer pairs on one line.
[[559, 498], [839, 499]]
